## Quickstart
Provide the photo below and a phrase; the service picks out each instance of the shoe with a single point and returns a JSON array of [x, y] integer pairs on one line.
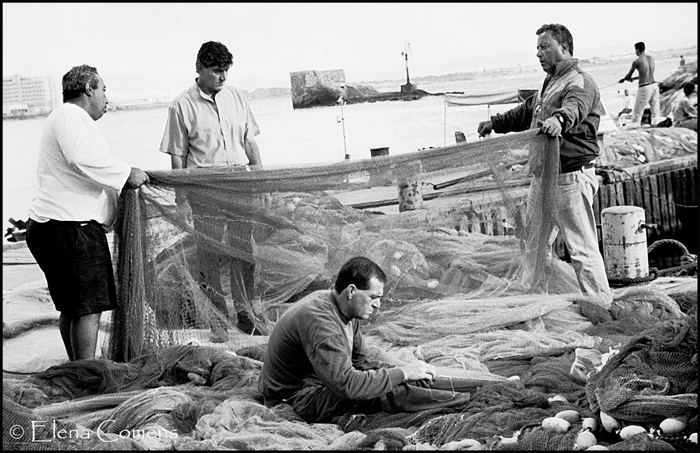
[[218, 336]]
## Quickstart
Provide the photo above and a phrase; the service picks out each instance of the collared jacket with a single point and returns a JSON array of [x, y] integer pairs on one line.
[[573, 94], [314, 338]]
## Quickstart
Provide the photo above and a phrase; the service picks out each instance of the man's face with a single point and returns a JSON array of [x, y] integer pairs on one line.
[[549, 52], [98, 100], [364, 301], [212, 79]]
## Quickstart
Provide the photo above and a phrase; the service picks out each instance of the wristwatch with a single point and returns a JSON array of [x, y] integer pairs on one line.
[[560, 118]]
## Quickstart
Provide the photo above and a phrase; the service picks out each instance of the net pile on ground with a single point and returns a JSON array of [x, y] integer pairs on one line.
[[456, 298]]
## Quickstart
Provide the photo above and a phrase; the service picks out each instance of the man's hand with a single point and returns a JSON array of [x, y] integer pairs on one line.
[[485, 128], [418, 371], [622, 80], [136, 179], [552, 127]]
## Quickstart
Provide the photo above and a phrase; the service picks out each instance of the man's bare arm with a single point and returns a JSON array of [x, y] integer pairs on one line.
[[252, 151]]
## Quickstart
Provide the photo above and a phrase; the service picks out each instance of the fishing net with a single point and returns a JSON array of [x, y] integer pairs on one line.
[[461, 295], [653, 377], [247, 244]]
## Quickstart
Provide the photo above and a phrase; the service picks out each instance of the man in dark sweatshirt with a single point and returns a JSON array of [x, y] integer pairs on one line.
[[316, 360], [568, 106]]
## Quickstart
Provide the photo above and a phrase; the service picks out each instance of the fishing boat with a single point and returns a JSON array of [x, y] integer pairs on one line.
[[505, 97]]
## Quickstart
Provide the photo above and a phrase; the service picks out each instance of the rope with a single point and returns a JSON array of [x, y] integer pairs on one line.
[[654, 272], [668, 241]]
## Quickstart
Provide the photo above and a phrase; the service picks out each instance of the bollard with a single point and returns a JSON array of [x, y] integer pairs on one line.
[[624, 242], [410, 185], [410, 195]]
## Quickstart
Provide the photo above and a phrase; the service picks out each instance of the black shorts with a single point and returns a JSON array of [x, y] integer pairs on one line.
[[75, 259]]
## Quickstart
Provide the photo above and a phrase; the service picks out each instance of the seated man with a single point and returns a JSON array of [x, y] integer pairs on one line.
[[684, 113], [316, 360]]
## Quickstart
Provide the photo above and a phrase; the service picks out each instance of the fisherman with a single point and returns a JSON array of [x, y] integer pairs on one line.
[[211, 125], [568, 106], [648, 90], [684, 113], [627, 100], [317, 362], [79, 183]]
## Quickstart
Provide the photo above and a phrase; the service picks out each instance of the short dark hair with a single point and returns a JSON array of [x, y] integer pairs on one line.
[[74, 81], [640, 46], [213, 53], [560, 33], [358, 271], [688, 88]]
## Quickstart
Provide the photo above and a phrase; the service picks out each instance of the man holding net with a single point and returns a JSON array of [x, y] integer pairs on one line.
[[79, 183], [211, 125], [568, 107], [317, 362]]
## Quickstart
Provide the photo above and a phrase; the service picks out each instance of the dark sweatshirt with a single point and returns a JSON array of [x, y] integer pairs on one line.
[[310, 339], [573, 94]]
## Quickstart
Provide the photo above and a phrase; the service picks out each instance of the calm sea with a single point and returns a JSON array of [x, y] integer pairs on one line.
[[294, 137]]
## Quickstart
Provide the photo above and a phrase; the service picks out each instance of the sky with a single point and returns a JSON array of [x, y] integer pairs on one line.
[[153, 46]]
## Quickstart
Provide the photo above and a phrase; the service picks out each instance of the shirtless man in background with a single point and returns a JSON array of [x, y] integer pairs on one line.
[[648, 90]]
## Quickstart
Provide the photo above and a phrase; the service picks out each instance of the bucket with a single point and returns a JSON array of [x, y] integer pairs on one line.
[[376, 152], [624, 242]]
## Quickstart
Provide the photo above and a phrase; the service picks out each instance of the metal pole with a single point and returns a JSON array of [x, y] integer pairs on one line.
[[405, 54], [341, 101], [444, 122]]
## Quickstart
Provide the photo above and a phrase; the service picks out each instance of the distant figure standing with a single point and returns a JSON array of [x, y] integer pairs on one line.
[[79, 183], [682, 61], [684, 113], [211, 125], [648, 91], [627, 99]]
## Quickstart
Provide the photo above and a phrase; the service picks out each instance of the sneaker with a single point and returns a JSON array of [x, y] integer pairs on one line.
[[218, 336]]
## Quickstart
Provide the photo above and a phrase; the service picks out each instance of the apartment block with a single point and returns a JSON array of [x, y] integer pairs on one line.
[[29, 95]]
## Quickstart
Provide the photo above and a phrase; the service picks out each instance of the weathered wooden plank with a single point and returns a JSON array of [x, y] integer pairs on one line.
[[670, 204], [665, 225], [692, 174], [497, 220], [620, 193], [628, 186], [655, 207]]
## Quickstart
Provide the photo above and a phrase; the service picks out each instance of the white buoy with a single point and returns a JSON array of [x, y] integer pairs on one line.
[[624, 242]]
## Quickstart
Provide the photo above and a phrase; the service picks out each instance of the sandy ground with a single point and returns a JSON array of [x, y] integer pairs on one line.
[[26, 299]]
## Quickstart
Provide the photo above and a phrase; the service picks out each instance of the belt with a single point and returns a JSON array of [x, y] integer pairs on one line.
[[645, 84], [584, 167]]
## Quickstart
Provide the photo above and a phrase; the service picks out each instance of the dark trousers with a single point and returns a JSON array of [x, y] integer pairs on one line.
[[315, 403], [219, 229]]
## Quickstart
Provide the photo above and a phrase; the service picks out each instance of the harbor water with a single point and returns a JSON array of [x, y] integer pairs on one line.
[[299, 137]]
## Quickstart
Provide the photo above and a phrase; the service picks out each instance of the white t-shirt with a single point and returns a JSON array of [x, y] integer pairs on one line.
[[78, 179]]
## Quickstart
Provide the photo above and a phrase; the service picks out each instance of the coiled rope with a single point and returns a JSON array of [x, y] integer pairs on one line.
[[691, 264]]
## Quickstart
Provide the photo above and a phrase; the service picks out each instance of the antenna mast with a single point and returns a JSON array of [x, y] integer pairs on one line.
[[405, 55]]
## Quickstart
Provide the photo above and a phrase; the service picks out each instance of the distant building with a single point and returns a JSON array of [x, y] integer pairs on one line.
[[39, 95]]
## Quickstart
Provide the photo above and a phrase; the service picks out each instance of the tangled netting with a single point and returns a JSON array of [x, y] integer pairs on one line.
[[246, 244], [525, 344]]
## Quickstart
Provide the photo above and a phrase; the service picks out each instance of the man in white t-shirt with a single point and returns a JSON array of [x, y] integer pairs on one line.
[[79, 184]]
